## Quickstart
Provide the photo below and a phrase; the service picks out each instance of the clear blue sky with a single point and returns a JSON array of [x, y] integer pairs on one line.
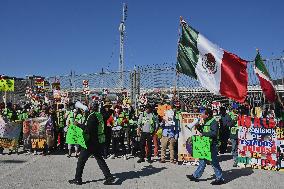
[[51, 37]]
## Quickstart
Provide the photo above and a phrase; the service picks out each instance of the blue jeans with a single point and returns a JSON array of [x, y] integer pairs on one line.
[[235, 149], [215, 164]]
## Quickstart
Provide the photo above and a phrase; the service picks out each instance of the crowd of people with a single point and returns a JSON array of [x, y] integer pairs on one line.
[[120, 131]]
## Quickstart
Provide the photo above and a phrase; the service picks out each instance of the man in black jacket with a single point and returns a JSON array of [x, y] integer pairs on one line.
[[94, 147]]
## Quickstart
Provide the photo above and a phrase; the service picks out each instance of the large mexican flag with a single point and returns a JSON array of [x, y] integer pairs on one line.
[[217, 70], [264, 79]]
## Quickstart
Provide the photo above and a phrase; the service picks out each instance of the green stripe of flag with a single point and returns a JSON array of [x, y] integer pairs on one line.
[[261, 66], [187, 51]]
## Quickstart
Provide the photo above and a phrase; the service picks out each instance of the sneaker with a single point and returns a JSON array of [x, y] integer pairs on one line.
[[69, 156], [192, 178], [109, 181], [75, 181], [218, 182], [35, 152], [235, 164], [173, 162], [162, 161], [111, 156], [141, 160], [124, 157]]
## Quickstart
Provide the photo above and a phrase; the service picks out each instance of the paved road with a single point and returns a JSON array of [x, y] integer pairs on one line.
[[54, 171]]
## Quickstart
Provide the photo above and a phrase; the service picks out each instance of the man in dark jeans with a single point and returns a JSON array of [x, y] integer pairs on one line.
[[224, 132], [146, 126], [94, 130], [209, 129], [107, 113]]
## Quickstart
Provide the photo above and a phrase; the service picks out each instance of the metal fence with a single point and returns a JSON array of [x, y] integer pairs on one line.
[[143, 79]]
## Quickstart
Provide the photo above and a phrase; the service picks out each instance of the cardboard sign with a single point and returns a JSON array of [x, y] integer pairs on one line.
[[75, 136], [202, 147], [35, 131], [185, 140], [9, 134], [261, 143], [162, 109]]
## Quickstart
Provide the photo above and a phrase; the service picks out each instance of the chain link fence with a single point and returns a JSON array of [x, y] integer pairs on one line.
[[151, 79]]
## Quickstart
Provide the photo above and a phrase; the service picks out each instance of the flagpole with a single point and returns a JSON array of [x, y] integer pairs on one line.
[[5, 100]]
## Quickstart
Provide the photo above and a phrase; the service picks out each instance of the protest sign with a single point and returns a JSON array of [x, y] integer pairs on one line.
[[34, 132], [185, 134], [261, 143], [75, 135], [201, 147], [9, 134], [162, 109], [7, 84]]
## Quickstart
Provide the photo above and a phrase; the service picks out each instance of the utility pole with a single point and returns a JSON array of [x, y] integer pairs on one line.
[[121, 46]]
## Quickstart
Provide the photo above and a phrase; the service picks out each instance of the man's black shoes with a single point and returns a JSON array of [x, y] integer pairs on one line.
[[109, 181], [75, 181], [218, 182], [149, 161], [192, 178], [141, 160]]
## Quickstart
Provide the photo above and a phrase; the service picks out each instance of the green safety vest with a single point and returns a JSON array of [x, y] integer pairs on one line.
[[8, 113], [178, 115], [207, 125], [101, 127], [234, 129], [152, 122], [61, 122], [71, 117], [79, 118]]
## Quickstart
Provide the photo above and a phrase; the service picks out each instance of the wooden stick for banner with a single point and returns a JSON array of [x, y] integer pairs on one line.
[[5, 100]]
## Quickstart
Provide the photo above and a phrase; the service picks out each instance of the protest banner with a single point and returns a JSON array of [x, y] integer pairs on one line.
[[201, 147], [162, 109], [185, 134], [7, 84], [261, 143], [34, 132], [9, 134], [75, 135]]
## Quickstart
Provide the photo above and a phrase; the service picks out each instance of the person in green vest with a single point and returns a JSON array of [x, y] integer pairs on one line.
[[74, 116], [127, 114], [93, 128], [234, 135], [209, 129], [59, 129], [146, 127], [118, 133]]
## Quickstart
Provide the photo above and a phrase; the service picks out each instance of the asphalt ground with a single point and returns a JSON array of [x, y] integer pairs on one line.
[[54, 171]]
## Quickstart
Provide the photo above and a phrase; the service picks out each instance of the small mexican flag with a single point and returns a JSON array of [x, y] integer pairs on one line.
[[217, 70], [264, 79]]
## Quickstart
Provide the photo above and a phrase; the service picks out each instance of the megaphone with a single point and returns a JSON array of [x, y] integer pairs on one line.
[[81, 106]]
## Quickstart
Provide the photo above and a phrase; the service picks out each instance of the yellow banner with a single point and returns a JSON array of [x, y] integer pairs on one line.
[[7, 84]]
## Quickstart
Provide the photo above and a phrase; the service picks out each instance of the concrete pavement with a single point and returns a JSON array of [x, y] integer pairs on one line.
[[54, 171]]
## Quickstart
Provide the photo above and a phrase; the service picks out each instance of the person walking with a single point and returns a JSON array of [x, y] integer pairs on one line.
[[95, 138], [209, 129]]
